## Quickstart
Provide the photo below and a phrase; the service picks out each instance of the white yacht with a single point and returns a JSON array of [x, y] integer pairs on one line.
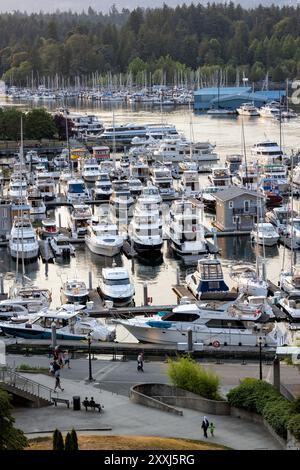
[[247, 176], [233, 162], [247, 280], [36, 202], [17, 188], [75, 291], [123, 134], [135, 186], [61, 246], [46, 185], [248, 109], [276, 175], [85, 125], [189, 183], [220, 176], [280, 216], [145, 229], [32, 158], [32, 297], [23, 241], [209, 326], [270, 110], [292, 230], [264, 234], [162, 179], [175, 151], [76, 191], [90, 171], [102, 237], [103, 187], [268, 152], [289, 281], [208, 277], [116, 286], [48, 228], [79, 218], [140, 170], [152, 194], [296, 175], [121, 200], [185, 229]]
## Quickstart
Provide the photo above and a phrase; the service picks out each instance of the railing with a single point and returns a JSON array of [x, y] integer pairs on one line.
[[17, 381], [250, 211]]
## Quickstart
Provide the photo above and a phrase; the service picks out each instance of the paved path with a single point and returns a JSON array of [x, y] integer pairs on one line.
[[122, 417]]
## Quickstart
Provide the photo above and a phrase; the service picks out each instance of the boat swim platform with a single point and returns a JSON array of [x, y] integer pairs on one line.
[[124, 351]]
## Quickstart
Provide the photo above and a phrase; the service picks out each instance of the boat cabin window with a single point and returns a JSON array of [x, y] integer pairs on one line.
[[116, 282], [76, 188], [180, 316], [230, 324], [210, 271]]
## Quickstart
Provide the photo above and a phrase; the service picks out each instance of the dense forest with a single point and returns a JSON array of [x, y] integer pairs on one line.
[[160, 42]]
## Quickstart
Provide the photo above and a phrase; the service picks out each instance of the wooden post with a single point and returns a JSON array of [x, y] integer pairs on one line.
[[145, 294], [190, 339]]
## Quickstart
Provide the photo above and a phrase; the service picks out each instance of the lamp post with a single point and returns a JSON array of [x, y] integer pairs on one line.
[[90, 360], [260, 342]]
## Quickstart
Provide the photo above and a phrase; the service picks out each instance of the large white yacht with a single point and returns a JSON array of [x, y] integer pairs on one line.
[[90, 171], [116, 286], [270, 110], [176, 150], [123, 134], [189, 183], [46, 185], [277, 176], [162, 179], [79, 218], [103, 187], [247, 109], [209, 326], [145, 228], [267, 152], [36, 202], [17, 188], [76, 191], [185, 229], [220, 176], [102, 237], [23, 241], [121, 200], [140, 170]]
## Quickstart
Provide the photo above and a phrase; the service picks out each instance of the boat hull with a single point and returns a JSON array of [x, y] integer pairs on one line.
[[103, 250]]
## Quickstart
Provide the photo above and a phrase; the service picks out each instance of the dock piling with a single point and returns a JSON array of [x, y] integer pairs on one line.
[[145, 294], [90, 280]]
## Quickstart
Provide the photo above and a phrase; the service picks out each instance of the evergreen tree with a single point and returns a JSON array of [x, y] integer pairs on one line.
[[74, 440], [68, 442], [58, 442]]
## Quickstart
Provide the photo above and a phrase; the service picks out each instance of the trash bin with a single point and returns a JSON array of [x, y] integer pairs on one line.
[[76, 403]]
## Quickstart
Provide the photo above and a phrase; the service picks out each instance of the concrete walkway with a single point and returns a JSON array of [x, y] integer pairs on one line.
[[121, 417]]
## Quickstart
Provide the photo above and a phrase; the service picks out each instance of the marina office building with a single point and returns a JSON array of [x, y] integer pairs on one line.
[[233, 97]]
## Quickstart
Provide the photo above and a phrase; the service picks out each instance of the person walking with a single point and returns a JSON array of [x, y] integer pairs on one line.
[[140, 362], [56, 368], [212, 428], [205, 425], [67, 359]]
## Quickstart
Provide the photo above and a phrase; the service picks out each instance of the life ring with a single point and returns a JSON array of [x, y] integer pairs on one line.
[[257, 312], [216, 344]]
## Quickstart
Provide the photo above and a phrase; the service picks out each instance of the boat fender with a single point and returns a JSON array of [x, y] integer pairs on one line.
[[216, 344]]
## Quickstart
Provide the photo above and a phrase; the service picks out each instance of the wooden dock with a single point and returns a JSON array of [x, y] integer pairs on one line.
[[183, 291]]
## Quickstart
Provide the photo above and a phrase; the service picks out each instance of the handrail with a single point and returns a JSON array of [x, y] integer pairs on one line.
[[19, 382]]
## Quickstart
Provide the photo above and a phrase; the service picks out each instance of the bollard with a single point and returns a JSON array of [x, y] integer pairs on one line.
[[145, 294], [190, 339], [90, 280], [53, 334]]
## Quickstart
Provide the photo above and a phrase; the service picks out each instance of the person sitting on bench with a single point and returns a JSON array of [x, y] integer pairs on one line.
[[92, 403], [86, 403]]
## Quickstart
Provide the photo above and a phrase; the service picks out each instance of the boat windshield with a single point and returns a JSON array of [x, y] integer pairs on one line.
[[116, 282], [76, 188], [180, 316]]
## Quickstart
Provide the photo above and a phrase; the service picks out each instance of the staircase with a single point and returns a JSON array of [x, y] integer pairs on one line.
[[38, 395]]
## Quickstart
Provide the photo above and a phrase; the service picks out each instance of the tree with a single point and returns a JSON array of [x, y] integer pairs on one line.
[[10, 124], [60, 124], [57, 440], [74, 439], [39, 125], [68, 442], [10, 437]]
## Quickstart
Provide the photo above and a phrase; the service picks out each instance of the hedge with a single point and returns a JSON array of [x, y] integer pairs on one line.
[[277, 414], [252, 395], [294, 426]]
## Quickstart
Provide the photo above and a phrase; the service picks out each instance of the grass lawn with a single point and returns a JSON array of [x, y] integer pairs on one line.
[[128, 443]]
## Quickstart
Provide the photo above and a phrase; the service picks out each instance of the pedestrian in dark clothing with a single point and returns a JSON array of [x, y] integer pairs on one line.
[[140, 363], [205, 425], [56, 368]]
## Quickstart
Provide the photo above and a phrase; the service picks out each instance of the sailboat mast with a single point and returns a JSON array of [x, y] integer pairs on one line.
[[21, 202]]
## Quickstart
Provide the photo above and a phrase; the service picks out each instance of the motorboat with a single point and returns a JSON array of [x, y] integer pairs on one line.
[[185, 230], [79, 219], [75, 291], [121, 200], [10, 310], [207, 196], [280, 216], [32, 157], [209, 326], [221, 112], [208, 277], [276, 175], [268, 152], [17, 188], [140, 170], [178, 150], [23, 243], [145, 228], [152, 194], [187, 165], [90, 171], [290, 305], [46, 185], [189, 183], [61, 246], [270, 110], [220, 176], [233, 162], [48, 229], [135, 186], [36, 202], [85, 125], [76, 191], [103, 188], [162, 179], [247, 176], [292, 231], [70, 326], [247, 280], [32, 297], [248, 109], [102, 237], [116, 286], [264, 234]]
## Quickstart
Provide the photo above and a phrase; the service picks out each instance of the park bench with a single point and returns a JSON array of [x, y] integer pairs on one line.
[[61, 400], [87, 404]]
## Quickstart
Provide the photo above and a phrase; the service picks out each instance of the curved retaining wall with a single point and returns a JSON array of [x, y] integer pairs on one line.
[[167, 397]]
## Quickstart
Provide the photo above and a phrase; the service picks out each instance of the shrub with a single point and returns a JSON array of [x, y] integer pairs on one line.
[[277, 414], [58, 442], [187, 374], [294, 426], [252, 395], [295, 406], [68, 442], [74, 439], [10, 437]]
